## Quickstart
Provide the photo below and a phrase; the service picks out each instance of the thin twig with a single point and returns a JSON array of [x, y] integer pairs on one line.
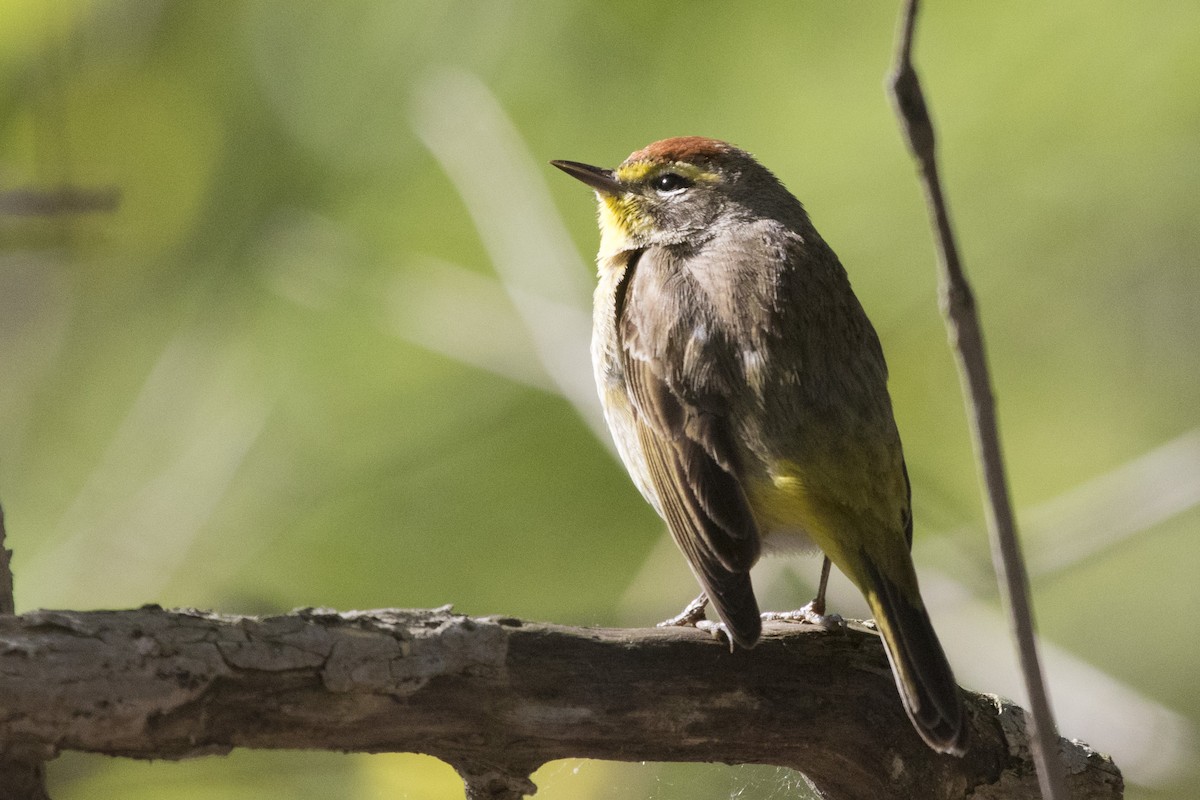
[[7, 605], [59, 202], [962, 323]]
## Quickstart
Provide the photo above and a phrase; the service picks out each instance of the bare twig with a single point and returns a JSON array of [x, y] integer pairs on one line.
[[497, 697], [6, 577], [962, 322], [58, 202]]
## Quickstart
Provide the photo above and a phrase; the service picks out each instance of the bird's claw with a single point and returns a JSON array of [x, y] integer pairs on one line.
[[811, 614], [690, 617], [693, 617], [717, 630]]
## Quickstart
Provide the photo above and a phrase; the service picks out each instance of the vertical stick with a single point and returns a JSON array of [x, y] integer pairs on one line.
[[962, 325], [6, 578]]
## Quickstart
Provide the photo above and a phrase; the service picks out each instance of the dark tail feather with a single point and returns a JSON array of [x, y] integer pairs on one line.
[[923, 675], [732, 597]]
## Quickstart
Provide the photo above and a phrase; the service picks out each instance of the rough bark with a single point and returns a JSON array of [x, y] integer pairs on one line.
[[22, 774], [496, 698]]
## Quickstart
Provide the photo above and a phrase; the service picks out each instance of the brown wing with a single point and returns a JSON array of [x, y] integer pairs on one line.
[[687, 441]]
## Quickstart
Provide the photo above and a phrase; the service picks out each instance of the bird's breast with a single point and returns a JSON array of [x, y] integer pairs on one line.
[[619, 413]]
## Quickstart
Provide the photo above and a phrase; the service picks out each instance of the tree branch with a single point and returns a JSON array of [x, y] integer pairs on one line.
[[496, 698], [22, 774], [963, 328]]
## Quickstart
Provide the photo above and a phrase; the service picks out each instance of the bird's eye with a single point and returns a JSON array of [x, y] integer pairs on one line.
[[670, 183]]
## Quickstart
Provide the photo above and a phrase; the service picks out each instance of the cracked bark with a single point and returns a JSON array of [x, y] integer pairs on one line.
[[22, 773], [496, 698]]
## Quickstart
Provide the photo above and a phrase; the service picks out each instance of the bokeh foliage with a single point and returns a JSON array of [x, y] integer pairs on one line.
[[224, 393]]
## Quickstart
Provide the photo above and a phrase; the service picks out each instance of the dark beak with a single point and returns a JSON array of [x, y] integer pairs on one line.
[[602, 180]]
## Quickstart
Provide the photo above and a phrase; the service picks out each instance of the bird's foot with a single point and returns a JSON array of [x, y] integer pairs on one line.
[[811, 614], [690, 617], [693, 617]]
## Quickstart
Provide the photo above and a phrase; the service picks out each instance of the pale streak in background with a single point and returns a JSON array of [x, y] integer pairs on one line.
[[465, 128], [168, 465], [1116, 506], [477, 145], [470, 318]]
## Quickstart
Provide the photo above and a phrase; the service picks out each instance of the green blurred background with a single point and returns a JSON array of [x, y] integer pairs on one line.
[[330, 346]]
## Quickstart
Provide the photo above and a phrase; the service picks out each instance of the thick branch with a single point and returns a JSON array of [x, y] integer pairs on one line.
[[22, 775], [496, 698]]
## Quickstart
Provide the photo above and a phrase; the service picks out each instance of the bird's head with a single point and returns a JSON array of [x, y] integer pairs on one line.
[[679, 190]]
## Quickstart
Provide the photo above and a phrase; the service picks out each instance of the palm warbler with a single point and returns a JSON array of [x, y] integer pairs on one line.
[[747, 394]]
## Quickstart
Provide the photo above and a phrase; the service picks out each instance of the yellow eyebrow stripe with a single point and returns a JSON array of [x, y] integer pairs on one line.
[[641, 170]]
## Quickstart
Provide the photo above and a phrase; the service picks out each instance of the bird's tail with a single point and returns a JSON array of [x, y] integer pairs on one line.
[[923, 675]]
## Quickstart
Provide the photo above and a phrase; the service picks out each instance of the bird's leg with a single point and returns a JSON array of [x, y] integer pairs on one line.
[[814, 612], [689, 616], [817, 605]]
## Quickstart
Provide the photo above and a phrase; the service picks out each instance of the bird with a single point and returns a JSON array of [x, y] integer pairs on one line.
[[746, 393]]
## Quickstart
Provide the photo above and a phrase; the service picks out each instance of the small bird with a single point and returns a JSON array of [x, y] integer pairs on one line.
[[746, 391]]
